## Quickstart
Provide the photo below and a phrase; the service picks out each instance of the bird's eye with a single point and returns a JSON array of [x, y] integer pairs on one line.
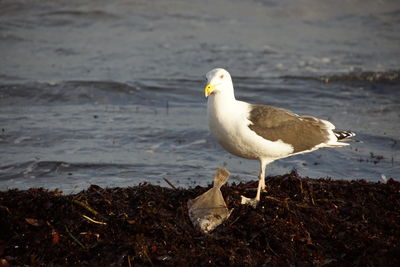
[[222, 76]]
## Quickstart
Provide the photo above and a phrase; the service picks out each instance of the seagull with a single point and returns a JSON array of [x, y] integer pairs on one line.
[[261, 132]]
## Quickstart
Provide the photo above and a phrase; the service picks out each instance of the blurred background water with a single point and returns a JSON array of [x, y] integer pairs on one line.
[[111, 92]]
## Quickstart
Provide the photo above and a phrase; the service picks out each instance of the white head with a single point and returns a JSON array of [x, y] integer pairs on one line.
[[219, 81]]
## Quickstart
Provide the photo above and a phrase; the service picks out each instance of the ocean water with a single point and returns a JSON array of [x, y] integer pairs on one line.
[[111, 92]]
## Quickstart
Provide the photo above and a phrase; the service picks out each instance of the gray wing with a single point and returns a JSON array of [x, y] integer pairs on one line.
[[302, 132]]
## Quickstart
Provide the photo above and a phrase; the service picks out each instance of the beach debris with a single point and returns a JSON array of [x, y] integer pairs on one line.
[[170, 184], [91, 220], [209, 210], [74, 238], [301, 221], [55, 237], [86, 206], [34, 222]]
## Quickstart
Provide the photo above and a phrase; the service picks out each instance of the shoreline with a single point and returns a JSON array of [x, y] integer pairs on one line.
[[299, 221]]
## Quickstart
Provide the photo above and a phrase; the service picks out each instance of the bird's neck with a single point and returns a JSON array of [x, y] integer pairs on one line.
[[227, 94], [221, 105]]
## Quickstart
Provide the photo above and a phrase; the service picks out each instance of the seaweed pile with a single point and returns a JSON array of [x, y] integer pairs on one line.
[[300, 221]]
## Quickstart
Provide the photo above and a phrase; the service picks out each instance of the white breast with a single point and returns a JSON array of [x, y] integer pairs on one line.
[[228, 123]]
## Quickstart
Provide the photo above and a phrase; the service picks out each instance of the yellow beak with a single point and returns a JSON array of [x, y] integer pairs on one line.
[[209, 89]]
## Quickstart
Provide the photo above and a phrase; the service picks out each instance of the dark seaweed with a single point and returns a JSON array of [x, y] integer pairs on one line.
[[300, 221]]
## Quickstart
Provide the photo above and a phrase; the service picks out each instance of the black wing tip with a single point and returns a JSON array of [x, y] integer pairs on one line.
[[343, 134]]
